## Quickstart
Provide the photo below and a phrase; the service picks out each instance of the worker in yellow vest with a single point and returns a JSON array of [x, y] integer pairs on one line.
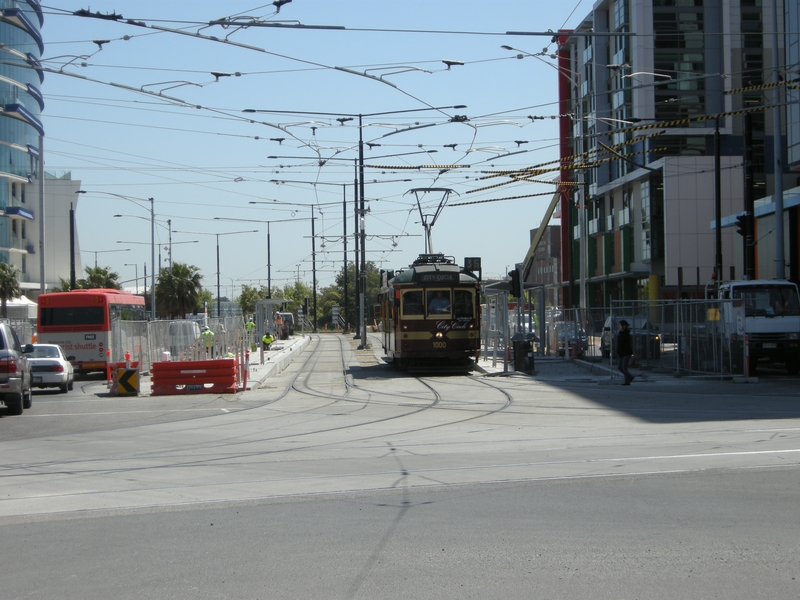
[[208, 341], [267, 340]]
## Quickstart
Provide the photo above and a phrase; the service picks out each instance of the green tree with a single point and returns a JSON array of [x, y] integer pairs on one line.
[[177, 290], [63, 285], [204, 298], [99, 277], [373, 288], [9, 286]]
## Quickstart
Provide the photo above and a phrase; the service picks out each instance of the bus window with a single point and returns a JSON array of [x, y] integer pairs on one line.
[[72, 315], [462, 304], [126, 312], [412, 303]]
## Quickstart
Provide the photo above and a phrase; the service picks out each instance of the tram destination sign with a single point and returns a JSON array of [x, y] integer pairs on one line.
[[438, 277]]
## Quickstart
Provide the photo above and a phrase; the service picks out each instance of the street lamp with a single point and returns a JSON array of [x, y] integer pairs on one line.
[[360, 186], [136, 201], [344, 213], [269, 256], [219, 306], [313, 253], [96, 252], [136, 265]]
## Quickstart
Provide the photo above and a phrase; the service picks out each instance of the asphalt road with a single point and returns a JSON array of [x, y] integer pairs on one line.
[[343, 479]]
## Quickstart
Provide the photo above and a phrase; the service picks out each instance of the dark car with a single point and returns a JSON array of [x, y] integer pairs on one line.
[[645, 336], [15, 372], [569, 334]]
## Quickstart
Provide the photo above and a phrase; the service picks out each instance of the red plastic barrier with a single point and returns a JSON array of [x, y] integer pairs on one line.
[[194, 377]]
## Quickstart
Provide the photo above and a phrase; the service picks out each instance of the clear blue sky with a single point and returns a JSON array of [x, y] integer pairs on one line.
[[200, 156]]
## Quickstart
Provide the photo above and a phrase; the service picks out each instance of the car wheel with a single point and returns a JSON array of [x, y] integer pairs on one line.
[[27, 399], [14, 404], [70, 384], [63, 387]]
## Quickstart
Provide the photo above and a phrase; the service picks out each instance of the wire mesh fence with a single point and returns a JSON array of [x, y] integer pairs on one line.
[[685, 338], [181, 340]]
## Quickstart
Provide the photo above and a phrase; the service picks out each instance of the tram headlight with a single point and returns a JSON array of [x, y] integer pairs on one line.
[[439, 334]]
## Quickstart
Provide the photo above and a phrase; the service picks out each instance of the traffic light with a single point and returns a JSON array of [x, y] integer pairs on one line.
[[741, 225], [516, 288]]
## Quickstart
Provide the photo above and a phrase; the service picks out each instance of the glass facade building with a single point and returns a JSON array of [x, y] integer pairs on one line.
[[21, 105]]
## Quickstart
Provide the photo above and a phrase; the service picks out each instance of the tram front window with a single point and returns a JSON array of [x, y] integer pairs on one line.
[[412, 303], [439, 302], [462, 304]]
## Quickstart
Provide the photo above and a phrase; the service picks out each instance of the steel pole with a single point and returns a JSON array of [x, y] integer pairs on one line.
[[219, 305], [780, 262], [363, 236], [42, 285], [269, 266], [152, 259]]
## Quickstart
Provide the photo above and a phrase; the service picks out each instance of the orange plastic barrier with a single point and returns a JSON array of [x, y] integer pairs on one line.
[[195, 377]]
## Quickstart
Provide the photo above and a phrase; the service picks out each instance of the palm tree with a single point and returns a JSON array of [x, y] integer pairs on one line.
[[177, 290], [99, 277], [9, 286]]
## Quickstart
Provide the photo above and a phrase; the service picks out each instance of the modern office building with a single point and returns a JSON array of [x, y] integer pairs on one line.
[[21, 141], [670, 124], [21, 103]]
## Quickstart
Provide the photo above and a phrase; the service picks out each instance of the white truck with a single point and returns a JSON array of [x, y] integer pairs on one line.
[[768, 312]]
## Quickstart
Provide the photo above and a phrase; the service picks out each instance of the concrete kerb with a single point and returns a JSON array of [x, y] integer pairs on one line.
[[276, 359]]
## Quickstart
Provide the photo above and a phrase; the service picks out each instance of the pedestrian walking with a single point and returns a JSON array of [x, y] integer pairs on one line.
[[624, 350]]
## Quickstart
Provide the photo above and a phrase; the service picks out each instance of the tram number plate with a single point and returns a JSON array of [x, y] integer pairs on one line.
[[440, 344]]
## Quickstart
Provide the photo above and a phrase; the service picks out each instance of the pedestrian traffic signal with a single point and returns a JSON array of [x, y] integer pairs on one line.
[[741, 225], [516, 288]]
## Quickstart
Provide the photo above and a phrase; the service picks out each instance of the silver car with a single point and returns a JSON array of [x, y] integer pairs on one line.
[[49, 367]]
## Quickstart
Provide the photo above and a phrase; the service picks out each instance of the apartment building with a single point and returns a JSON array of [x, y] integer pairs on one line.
[[665, 97]]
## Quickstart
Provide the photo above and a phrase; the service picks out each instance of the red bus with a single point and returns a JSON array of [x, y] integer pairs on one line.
[[80, 322]]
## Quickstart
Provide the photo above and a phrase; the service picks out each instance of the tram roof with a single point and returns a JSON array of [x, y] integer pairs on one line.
[[434, 269]]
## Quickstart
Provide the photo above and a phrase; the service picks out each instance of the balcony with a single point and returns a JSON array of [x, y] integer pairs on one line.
[[624, 217], [593, 226], [610, 223]]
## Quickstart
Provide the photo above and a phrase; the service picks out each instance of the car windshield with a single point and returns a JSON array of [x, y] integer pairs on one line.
[[768, 300]]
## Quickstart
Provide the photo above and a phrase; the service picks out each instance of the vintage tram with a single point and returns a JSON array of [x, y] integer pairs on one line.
[[430, 315]]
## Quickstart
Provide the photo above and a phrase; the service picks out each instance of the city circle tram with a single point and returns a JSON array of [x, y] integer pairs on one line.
[[430, 315]]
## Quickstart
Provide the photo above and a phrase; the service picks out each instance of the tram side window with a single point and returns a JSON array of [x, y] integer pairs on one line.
[[462, 304], [439, 302], [412, 303]]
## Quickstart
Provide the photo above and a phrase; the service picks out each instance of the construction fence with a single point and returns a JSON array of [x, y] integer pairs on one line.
[[685, 338], [147, 342]]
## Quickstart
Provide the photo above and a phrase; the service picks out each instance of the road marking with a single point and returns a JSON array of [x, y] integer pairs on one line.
[[128, 412]]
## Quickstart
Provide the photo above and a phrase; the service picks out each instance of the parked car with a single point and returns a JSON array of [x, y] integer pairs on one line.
[[644, 335], [49, 367], [15, 372], [569, 334]]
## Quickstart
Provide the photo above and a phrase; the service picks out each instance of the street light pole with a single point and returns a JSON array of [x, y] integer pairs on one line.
[[363, 236], [136, 267], [314, 267], [152, 259]]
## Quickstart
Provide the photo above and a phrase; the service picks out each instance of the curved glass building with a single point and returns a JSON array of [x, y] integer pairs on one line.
[[21, 105]]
